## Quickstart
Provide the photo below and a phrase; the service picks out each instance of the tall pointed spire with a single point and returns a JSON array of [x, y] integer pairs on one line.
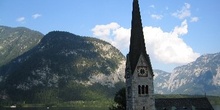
[[138, 72], [137, 45]]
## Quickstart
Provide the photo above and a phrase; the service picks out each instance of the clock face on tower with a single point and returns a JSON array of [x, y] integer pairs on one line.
[[142, 71]]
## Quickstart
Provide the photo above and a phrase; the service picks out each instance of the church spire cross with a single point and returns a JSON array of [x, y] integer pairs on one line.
[[137, 45]]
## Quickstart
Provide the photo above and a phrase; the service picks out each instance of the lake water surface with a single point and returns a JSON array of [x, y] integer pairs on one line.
[[216, 107], [62, 108]]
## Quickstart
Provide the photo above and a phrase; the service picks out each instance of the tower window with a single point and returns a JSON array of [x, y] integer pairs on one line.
[[139, 89], [142, 89], [146, 89]]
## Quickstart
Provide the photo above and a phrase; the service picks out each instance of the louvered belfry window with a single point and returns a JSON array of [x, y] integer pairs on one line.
[[143, 89]]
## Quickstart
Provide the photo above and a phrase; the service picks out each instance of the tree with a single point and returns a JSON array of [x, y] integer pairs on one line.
[[120, 100]]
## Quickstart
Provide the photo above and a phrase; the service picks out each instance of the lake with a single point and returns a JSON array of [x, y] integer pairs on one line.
[[217, 107], [62, 108]]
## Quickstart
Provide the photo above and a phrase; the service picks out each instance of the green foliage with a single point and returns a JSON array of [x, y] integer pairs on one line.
[[214, 100], [72, 91], [120, 100], [47, 96]]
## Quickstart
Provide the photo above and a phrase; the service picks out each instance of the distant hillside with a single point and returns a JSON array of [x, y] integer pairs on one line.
[[16, 41], [160, 81], [196, 78], [64, 67]]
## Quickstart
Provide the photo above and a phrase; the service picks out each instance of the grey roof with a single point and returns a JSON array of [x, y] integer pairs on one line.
[[183, 104]]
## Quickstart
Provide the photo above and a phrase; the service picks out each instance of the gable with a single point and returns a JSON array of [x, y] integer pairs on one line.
[[143, 67]]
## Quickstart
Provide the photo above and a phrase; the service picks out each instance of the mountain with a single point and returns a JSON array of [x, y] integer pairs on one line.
[[64, 67], [16, 41], [61, 66], [161, 81], [199, 77]]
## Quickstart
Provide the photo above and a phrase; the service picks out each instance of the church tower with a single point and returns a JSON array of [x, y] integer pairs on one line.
[[138, 72]]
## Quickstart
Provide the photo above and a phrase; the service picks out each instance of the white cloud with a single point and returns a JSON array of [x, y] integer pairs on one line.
[[105, 30], [113, 33], [184, 12], [158, 17], [183, 29], [20, 19], [35, 16], [152, 6], [194, 19], [166, 47], [121, 39]]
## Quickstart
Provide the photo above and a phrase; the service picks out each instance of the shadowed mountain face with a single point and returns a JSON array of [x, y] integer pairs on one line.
[[67, 66], [16, 41]]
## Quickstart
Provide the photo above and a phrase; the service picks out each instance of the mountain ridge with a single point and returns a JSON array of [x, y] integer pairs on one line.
[[16, 41], [63, 62], [199, 77]]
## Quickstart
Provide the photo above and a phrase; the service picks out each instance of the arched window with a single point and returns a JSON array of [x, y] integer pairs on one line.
[[139, 89], [146, 89], [142, 89]]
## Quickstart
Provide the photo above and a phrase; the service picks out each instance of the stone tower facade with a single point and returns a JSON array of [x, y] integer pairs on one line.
[[138, 72]]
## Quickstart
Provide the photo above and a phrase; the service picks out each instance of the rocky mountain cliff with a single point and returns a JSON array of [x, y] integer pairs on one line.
[[161, 81], [16, 41], [199, 77], [64, 66]]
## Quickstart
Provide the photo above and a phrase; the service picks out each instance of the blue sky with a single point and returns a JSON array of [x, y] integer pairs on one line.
[[176, 31]]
